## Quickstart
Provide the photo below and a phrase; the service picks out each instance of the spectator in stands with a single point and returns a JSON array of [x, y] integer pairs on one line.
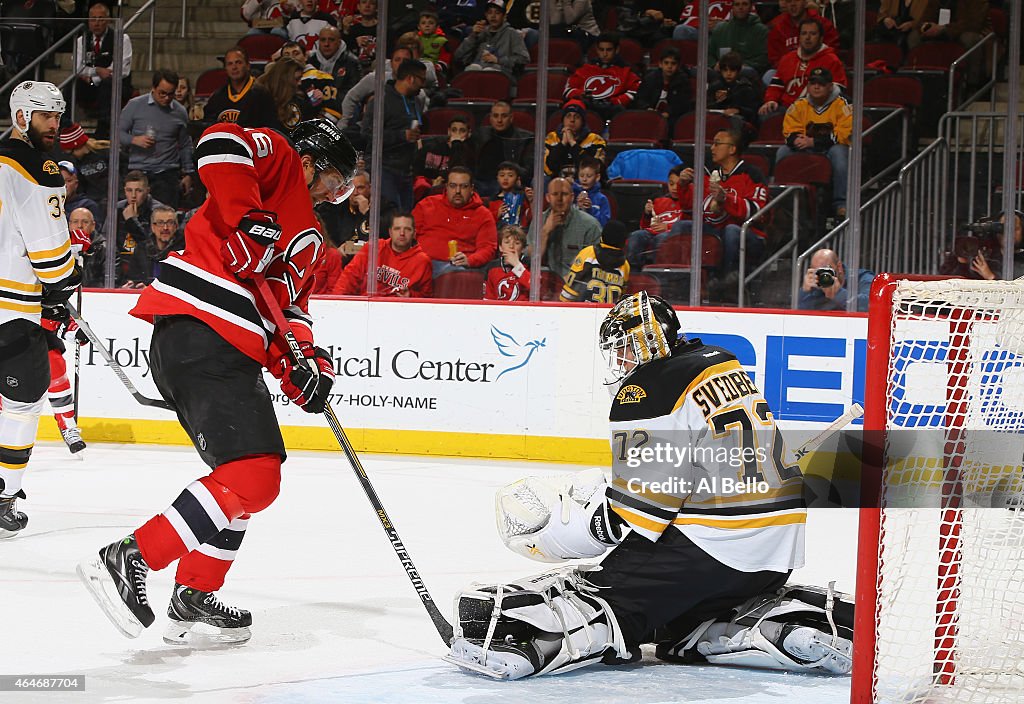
[[587, 189], [184, 95], [410, 41], [899, 22], [512, 204], [134, 215], [733, 93], [566, 231], [666, 89], [435, 155], [305, 22], [571, 142], [606, 85], [93, 265], [144, 264], [92, 160], [360, 32], [457, 16], [403, 116], [330, 55], [508, 276], [154, 130], [433, 41], [981, 257], [494, 45], [403, 268], [738, 191], [784, 32], [969, 23], [455, 228], [349, 223], [240, 100], [265, 17], [283, 81], [790, 80], [821, 123], [497, 142], [600, 272], [745, 34], [824, 286], [657, 223], [690, 21], [570, 19], [360, 93], [76, 198], [94, 58], [651, 20]]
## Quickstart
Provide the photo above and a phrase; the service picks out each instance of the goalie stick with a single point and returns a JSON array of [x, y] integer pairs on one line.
[[118, 371], [444, 628], [855, 411]]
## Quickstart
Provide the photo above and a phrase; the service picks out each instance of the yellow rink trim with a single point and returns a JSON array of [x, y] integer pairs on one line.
[[370, 440]]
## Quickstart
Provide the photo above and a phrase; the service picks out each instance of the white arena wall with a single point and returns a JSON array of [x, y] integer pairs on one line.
[[517, 381]]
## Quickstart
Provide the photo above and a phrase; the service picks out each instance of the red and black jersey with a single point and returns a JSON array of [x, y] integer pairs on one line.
[[615, 83], [243, 169], [746, 192]]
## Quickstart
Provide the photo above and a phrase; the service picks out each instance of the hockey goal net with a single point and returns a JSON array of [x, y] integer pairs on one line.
[[940, 576]]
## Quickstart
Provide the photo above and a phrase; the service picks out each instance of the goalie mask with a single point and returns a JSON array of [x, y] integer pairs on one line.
[[639, 329]]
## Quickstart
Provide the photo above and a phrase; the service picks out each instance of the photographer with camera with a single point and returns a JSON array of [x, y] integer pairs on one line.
[[824, 284], [979, 254]]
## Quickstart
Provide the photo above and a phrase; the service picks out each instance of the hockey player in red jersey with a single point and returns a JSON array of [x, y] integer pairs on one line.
[[211, 341]]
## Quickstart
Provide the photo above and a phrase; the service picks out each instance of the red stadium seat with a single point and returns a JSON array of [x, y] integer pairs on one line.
[[483, 85], [526, 89], [893, 90], [643, 282], [687, 51], [891, 54], [209, 82], [436, 121], [933, 55], [685, 127], [638, 127], [461, 285], [260, 47], [561, 52], [550, 285]]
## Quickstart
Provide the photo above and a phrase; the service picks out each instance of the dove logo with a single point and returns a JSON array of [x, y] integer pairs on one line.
[[521, 354]]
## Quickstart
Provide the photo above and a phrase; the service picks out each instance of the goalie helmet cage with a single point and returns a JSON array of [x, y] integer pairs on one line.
[[940, 586]]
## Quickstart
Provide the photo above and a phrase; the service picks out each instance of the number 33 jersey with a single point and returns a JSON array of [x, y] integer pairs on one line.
[[695, 446]]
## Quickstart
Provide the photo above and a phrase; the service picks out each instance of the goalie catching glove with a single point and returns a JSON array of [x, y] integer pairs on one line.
[[248, 250], [308, 384], [551, 519]]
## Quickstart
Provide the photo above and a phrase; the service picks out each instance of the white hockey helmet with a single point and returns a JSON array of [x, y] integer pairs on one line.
[[31, 96]]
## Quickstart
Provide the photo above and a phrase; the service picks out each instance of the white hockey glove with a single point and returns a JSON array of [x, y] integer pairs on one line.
[[552, 519]]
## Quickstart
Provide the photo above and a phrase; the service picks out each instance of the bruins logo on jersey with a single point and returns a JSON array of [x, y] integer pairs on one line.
[[229, 115], [50, 167], [631, 394]]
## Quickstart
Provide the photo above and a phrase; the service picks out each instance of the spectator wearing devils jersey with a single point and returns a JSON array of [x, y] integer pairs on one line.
[[784, 30], [508, 279], [403, 269], [790, 81], [211, 341], [689, 20], [737, 193], [306, 22], [607, 85], [656, 224]]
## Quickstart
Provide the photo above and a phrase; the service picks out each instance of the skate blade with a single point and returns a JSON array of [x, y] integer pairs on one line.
[[201, 635], [476, 667], [8, 534], [97, 580]]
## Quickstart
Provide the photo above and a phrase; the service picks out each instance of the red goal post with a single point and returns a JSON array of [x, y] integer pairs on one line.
[[940, 562]]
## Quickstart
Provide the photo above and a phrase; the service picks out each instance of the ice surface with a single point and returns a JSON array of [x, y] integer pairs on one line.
[[335, 618]]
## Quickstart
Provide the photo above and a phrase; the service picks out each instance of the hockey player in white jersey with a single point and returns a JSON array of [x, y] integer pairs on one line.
[[37, 273], [703, 516]]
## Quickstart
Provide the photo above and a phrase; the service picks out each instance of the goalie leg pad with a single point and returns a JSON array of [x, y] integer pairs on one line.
[[549, 623], [553, 519], [798, 628]]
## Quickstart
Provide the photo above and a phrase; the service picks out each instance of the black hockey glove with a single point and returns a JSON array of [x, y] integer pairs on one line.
[[59, 293], [308, 388], [247, 251]]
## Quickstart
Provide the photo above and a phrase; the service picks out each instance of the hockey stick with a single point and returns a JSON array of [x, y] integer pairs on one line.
[[444, 628], [78, 358], [144, 400], [855, 411]]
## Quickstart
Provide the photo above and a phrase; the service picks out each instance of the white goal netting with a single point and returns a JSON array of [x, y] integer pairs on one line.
[[950, 607]]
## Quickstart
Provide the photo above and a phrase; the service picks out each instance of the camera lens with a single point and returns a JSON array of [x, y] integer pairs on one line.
[[826, 277]]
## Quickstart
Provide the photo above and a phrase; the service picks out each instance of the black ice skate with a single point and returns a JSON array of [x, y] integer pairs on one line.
[[199, 618], [73, 439], [117, 581], [12, 521]]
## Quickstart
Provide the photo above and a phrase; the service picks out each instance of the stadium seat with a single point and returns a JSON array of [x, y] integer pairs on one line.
[[687, 51], [436, 121], [643, 282], [761, 162], [550, 285], [813, 172], [561, 53], [891, 54], [770, 131], [260, 47], [675, 252], [526, 90], [893, 90], [482, 86], [524, 120], [685, 127], [631, 51], [933, 55], [209, 82], [460, 285]]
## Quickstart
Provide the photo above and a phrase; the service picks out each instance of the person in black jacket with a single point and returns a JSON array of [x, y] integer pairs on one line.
[[144, 263], [436, 155], [666, 88], [403, 116], [733, 94], [498, 142]]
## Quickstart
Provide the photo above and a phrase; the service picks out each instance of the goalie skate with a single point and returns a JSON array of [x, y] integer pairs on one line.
[[502, 661], [199, 618]]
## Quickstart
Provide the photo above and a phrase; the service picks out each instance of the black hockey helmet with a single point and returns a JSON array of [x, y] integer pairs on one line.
[[323, 141]]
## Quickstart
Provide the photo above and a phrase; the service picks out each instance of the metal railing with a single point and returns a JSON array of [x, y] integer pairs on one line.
[[898, 113], [787, 193], [975, 142], [150, 7], [989, 40]]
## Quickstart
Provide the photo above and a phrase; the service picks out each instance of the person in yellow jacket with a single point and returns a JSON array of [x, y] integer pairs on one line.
[[821, 122]]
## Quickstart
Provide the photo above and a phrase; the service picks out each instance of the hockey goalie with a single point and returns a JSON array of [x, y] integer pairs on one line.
[[702, 522]]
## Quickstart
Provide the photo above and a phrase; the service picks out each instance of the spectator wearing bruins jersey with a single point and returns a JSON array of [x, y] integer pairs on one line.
[[240, 100], [600, 272], [37, 272]]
